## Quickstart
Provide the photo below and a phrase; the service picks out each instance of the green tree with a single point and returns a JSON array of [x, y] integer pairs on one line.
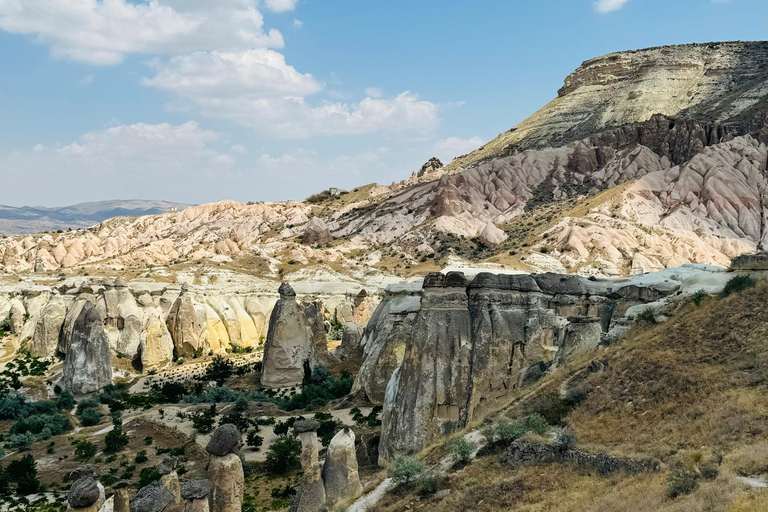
[[283, 456], [23, 472], [219, 370], [84, 450]]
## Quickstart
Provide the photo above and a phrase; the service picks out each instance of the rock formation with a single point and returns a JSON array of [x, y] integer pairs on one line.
[[351, 337], [87, 364], [85, 495], [225, 472], [155, 349], [48, 328], [316, 233], [311, 493], [290, 343], [336, 479], [340, 474], [471, 344], [195, 493], [154, 497], [122, 317]]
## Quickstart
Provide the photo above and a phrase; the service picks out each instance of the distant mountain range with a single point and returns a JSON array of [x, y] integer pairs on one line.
[[33, 219]]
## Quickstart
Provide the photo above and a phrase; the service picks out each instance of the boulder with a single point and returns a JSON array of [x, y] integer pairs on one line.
[[154, 497], [196, 489], [227, 483], [87, 365], [340, 474], [225, 440], [316, 233], [290, 343], [83, 493]]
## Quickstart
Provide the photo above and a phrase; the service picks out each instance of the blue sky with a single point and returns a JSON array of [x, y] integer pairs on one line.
[[201, 100]]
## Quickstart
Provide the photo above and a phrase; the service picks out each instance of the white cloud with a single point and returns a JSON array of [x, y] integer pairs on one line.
[[139, 160], [256, 88], [609, 5], [281, 5], [448, 149], [248, 75], [297, 23], [104, 31]]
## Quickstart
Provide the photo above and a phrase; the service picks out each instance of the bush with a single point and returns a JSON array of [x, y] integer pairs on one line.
[[65, 401], [141, 457], [254, 440], [89, 403], [204, 421], [551, 406], [681, 481], [22, 442], [115, 441], [90, 417], [148, 475], [85, 450], [737, 284], [406, 470], [648, 316], [508, 430], [283, 456], [699, 297], [535, 423], [461, 450], [219, 370], [429, 482]]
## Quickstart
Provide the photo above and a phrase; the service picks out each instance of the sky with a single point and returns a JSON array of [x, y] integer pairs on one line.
[[262, 100]]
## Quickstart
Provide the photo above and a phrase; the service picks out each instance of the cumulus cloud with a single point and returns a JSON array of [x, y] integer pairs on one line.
[[281, 5], [609, 5], [448, 149], [256, 88], [138, 160], [104, 31]]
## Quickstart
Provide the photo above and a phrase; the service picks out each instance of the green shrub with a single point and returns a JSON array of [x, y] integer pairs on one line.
[[283, 456], [461, 450], [115, 441], [85, 450], [429, 482], [22, 442], [90, 417], [508, 430], [219, 370], [148, 475], [406, 470], [737, 284], [681, 481], [551, 406], [535, 423], [23, 472], [699, 296], [141, 457], [648, 316], [254, 440]]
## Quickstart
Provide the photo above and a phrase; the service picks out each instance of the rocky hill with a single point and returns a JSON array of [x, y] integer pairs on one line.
[[646, 159]]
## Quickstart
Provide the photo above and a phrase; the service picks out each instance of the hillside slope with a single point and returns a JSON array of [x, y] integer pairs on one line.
[[687, 392]]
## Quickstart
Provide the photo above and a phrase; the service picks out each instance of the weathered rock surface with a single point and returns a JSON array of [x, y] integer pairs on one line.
[[472, 344], [83, 493], [155, 350], [48, 328], [225, 440], [195, 489], [340, 472], [122, 317], [290, 343], [87, 365], [316, 232], [155, 497], [227, 483]]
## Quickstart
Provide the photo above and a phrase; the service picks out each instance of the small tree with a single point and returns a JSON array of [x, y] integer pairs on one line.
[[23, 472], [461, 450], [283, 455], [84, 450], [115, 441], [219, 370], [254, 440]]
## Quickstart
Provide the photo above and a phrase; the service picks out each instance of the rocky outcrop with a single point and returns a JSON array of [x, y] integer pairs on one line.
[[290, 343], [491, 235], [384, 340], [225, 470], [155, 350], [87, 365], [522, 452], [316, 233], [336, 479], [340, 474], [154, 497], [351, 337], [472, 344], [45, 340], [195, 494], [122, 317]]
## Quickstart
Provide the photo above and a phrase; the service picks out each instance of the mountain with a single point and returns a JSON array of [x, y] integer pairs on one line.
[[645, 159], [33, 219]]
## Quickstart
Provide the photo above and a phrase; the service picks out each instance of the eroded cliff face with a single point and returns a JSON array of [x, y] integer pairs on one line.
[[720, 83], [472, 344], [152, 324]]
